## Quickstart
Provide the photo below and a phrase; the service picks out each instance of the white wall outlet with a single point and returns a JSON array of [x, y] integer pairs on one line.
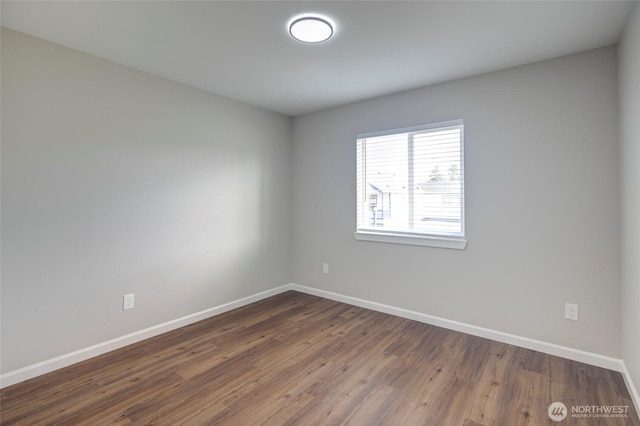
[[325, 268], [571, 311], [127, 301]]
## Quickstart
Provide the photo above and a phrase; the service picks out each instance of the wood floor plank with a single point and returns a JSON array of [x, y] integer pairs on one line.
[[489, 385], [40, 407], [296, 359]]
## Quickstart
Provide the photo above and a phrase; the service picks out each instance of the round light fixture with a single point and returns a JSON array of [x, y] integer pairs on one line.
[[311, 29]]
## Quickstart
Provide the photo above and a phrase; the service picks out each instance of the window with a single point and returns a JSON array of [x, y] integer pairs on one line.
[[411, 185]]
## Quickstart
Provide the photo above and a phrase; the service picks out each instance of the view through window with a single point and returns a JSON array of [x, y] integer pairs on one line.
[[411, 181]]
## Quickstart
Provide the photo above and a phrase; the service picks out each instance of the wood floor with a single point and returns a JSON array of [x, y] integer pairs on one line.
[[295, 359]]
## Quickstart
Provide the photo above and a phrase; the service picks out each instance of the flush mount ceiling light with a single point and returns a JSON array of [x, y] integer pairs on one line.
[[311, 28]]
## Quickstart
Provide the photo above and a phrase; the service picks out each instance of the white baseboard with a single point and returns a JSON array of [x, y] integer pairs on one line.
[[523, 342], [591, 358], [65, 360], [633, 390], [50, 365]]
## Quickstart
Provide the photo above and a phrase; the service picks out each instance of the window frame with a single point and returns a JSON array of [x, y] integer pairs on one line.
[[366, 233]]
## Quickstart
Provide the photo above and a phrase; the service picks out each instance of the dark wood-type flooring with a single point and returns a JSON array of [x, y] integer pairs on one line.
[[296, 359]]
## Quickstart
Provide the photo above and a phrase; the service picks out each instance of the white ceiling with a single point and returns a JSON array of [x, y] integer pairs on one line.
[[242, 50]]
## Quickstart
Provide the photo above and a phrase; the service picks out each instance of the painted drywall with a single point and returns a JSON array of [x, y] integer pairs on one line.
[[115, 181], [542, 204], [629, 97]]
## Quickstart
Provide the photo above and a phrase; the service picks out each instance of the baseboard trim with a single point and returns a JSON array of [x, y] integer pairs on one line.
[[65, 360], [633, 390], [523, 342], [591, 358]]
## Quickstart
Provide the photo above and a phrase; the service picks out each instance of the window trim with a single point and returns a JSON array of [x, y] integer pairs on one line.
[[424, 240], [458, 242]]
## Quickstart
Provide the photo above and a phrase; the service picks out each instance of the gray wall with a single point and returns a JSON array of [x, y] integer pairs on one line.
[[542, 204], [115, 181], [629, 85]]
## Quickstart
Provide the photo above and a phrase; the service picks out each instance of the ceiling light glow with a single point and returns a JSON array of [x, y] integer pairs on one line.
[[311, 29]]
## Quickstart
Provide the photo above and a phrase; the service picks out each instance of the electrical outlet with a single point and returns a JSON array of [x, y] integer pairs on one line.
[[127, 301], [571, 311], [325, 268]]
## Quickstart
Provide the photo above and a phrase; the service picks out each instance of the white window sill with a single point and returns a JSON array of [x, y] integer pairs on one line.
[[414, 240]]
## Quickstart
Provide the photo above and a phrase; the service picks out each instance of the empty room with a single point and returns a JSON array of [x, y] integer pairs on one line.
[[320, 213]]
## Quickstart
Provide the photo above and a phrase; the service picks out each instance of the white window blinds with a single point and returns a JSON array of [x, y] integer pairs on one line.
[[411, 181]]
